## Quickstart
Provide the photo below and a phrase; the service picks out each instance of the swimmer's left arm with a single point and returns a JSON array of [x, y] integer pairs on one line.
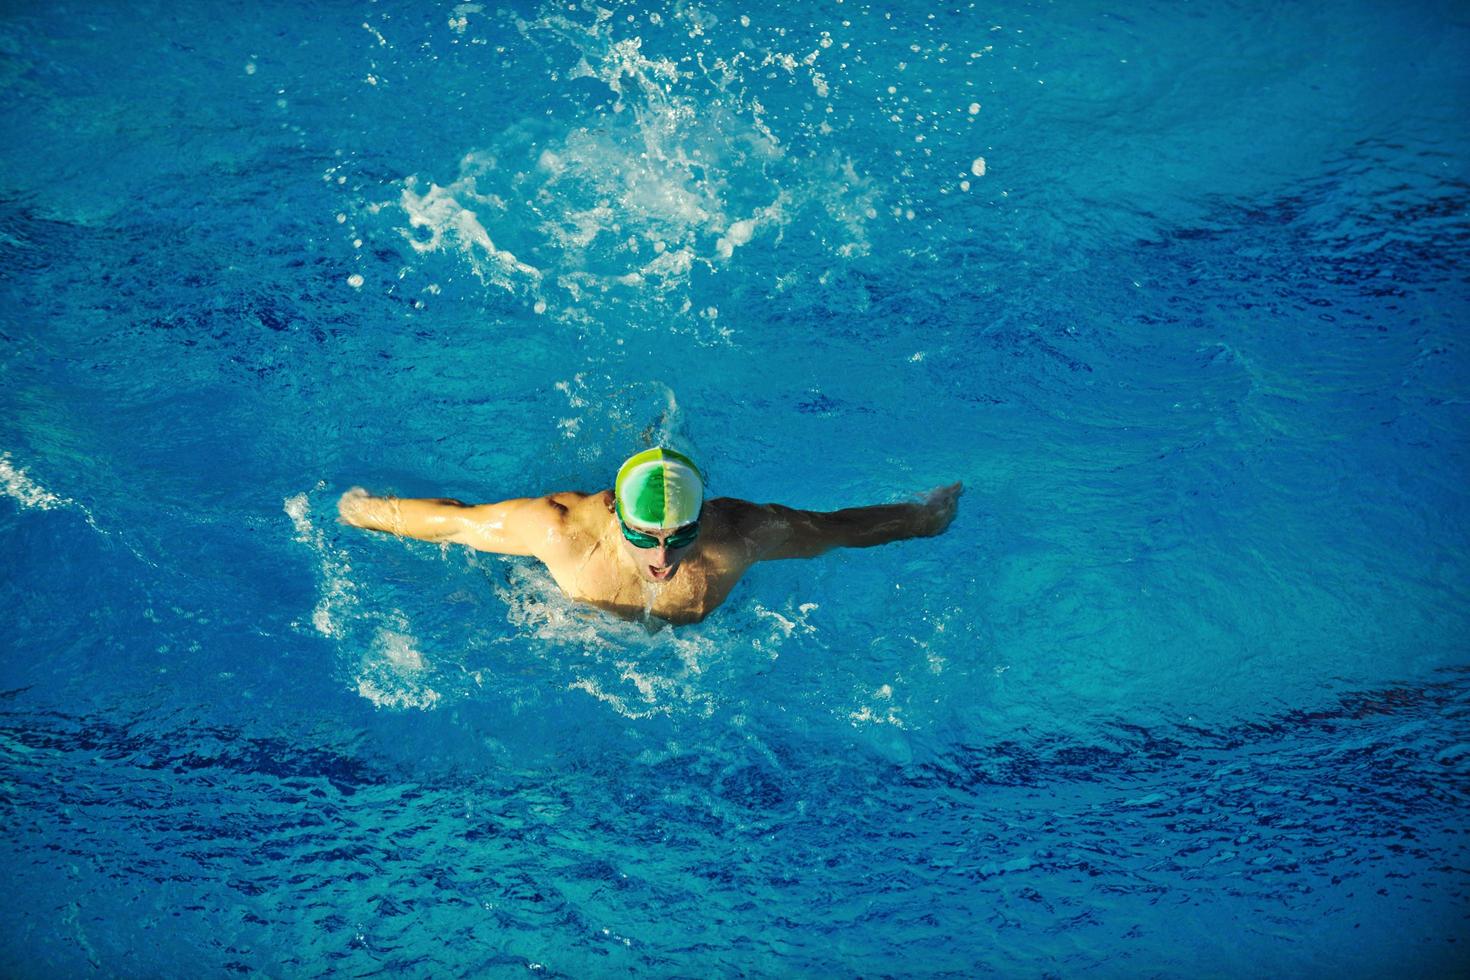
[[778, 532]]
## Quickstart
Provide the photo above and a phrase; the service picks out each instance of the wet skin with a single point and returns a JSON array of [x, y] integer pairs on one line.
[[577, 537]]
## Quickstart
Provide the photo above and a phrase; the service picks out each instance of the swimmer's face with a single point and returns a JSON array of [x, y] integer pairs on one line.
[[658, 562]]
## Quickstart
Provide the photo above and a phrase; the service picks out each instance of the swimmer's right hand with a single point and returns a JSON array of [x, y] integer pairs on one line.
[[349, 505]]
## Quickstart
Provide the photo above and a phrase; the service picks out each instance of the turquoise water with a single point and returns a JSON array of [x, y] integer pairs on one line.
[[1177, 290]]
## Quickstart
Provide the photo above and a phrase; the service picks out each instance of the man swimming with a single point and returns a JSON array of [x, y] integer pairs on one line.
[[652, 545]]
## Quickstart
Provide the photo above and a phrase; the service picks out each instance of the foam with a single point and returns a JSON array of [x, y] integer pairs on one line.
[[459, 18], [681, 172], [382, 41], [605, 413], [392, 673], [30, 495], [881, 712], [597, 642], [621, 664], [441, 212], [338, 601], [782, 627], [620, 705]]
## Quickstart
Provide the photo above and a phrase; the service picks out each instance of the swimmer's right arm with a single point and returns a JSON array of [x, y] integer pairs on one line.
[[511, 527]]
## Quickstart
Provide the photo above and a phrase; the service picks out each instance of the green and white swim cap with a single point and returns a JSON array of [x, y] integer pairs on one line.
[[659, 488]]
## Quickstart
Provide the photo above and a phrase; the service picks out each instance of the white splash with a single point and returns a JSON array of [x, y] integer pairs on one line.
[[20, 487], [459, 18], [15, 484], [620, 663], [882, 712], [445, 214], [338, 600], [681, 171], [392, 673], [785, 626], [782, 627], [620, 705]]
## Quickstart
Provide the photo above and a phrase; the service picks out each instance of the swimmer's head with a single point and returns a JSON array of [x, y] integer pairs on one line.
[[657, 491]]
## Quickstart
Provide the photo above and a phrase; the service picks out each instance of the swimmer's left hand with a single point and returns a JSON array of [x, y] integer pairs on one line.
[[939, 508]]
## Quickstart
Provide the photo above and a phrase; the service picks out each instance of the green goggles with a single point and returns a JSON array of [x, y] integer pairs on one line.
[[679, 539]]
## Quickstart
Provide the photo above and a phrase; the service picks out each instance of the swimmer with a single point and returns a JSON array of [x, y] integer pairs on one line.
[[652, 545]]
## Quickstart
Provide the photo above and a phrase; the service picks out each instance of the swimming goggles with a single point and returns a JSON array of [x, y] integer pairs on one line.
[[679, 539]]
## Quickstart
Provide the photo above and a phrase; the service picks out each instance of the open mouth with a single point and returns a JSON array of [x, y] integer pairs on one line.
[[660, 573]]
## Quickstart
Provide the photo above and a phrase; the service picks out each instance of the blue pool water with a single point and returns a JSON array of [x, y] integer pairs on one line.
[[1177, 289]]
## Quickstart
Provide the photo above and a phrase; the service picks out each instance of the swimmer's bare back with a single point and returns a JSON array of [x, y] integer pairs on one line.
[[577, 537]]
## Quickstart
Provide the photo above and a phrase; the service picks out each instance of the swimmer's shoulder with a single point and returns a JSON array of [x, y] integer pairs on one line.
[[748, 532], [734, 515], [730, 520], [559, 525], [555, 511], [576, 511]]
